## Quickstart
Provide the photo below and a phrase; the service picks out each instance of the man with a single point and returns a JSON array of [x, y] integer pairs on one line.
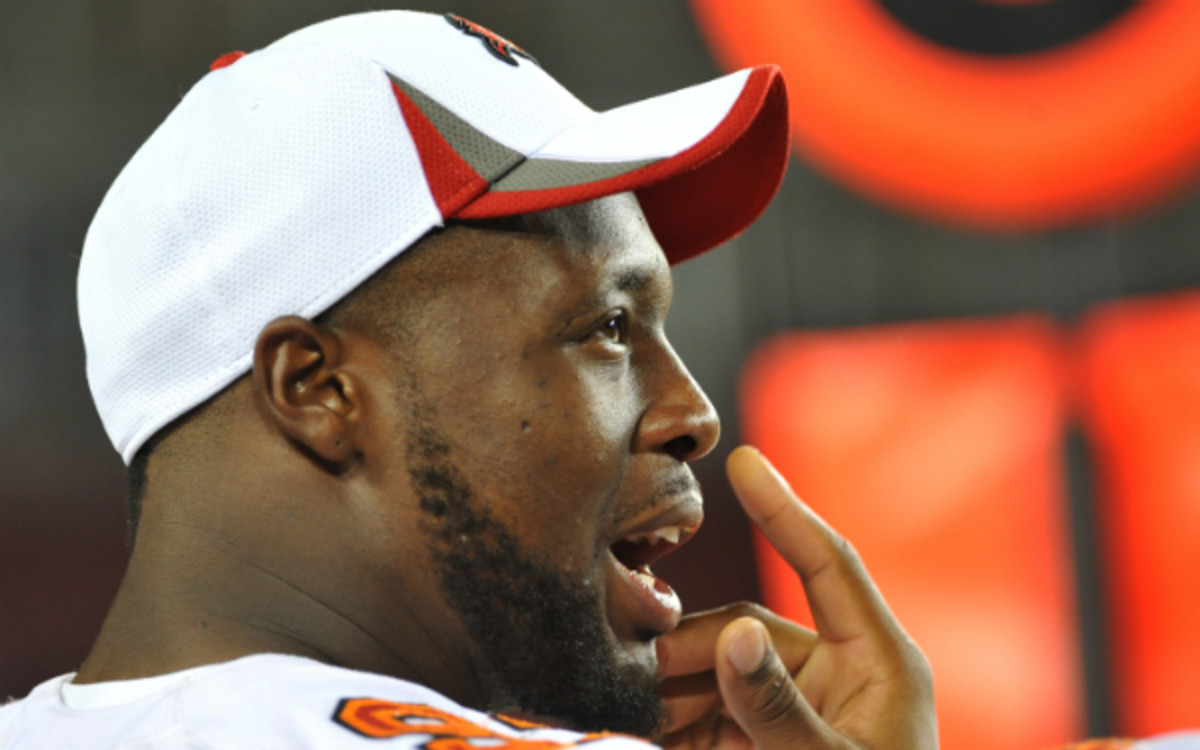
[[376, 318]]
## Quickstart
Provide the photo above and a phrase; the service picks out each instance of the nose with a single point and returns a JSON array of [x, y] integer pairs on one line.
[[679, 419]]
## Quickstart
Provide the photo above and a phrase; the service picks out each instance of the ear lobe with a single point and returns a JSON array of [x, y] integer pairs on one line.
[[305, 390]]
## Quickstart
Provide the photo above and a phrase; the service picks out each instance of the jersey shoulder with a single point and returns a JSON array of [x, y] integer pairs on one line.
[[1185, 740], [347, 708], [1188, 740], [273, 701]]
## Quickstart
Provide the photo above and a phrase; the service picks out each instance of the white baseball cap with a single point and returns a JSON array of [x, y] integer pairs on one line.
[[286, 177]]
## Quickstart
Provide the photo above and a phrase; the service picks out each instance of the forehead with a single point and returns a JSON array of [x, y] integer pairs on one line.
[[565, 250], [612, 222]]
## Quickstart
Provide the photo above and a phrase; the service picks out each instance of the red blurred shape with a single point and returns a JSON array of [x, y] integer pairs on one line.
[[1141, 368], [227, 59], [1094, 129], [936, 449]]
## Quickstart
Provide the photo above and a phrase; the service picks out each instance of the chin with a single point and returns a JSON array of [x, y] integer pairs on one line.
[[549, 643]]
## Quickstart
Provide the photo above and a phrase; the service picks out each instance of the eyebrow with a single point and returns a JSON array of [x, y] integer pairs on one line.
[[632, 280], [629, 280]]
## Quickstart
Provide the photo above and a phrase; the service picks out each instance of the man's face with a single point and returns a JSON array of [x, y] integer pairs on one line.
[[544, 423]]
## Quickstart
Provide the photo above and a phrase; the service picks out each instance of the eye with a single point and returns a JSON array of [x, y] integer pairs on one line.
[[614, 327]]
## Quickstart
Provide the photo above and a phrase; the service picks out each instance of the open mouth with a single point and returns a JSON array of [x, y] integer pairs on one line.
[[637, 551], [651, 604]]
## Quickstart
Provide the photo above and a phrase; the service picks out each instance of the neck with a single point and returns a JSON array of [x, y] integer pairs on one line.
[[264, 576]]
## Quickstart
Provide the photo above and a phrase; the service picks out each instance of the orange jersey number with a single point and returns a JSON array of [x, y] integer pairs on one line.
[[380, 719]]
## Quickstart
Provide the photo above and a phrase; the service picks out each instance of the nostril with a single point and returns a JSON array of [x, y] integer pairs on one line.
[[681, 448]]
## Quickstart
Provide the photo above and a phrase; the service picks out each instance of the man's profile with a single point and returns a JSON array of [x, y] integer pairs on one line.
[[376, 318]]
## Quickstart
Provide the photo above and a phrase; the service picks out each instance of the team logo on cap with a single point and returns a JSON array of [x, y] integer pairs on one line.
[[496, 44]]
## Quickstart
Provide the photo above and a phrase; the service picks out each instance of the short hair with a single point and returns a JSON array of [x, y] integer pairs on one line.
[[135, 473], [135, 481]]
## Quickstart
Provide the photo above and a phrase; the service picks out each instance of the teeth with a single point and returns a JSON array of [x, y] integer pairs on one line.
[[667, 533]]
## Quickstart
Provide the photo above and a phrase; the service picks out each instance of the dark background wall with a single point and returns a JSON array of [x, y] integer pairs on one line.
[[83, 82]]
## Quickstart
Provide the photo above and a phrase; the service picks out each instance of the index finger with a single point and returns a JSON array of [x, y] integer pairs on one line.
[[844, 601], [689, 648]]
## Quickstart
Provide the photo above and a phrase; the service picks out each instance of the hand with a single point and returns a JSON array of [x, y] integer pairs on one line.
[[742, 677]]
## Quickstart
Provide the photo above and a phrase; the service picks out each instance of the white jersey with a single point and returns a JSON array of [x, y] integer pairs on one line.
[[1189, 740], [268, 702], [277, 702]]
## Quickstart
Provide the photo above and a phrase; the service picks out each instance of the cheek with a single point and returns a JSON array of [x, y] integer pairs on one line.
[[544, 437], [579, 422], [564, 444]]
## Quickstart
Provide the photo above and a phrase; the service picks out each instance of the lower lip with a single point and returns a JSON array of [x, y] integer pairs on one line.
[[654, 606]]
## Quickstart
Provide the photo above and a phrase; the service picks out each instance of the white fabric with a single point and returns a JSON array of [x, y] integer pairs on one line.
[[94, 696], [264, 702], [252, 200], [1189, 740], [652, 128], [457, 70], [283, 181]]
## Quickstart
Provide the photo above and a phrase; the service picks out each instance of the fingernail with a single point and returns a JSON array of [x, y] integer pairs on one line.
[[748, 649]]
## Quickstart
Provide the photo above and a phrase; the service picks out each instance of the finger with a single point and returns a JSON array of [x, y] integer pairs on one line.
[[844, 601], [714, 731], [691, 647], [760, 694], [730, 736], [688, 699], [697, 736]]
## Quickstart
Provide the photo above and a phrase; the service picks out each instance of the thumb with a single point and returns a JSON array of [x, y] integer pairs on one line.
[[760, 694]]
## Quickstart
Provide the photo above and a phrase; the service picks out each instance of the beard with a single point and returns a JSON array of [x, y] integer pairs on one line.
[[541, 633]]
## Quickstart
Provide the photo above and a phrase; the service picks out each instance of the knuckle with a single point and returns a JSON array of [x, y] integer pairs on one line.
[[919, 663], [846, 558], [837, 554], [845, 549], [774, 695], [913, 664], [748, 609]]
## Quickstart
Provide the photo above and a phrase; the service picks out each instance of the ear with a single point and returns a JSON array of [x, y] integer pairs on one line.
[[305, 389]]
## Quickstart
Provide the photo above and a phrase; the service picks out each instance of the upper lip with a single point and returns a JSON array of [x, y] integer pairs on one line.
[[679, 510]]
